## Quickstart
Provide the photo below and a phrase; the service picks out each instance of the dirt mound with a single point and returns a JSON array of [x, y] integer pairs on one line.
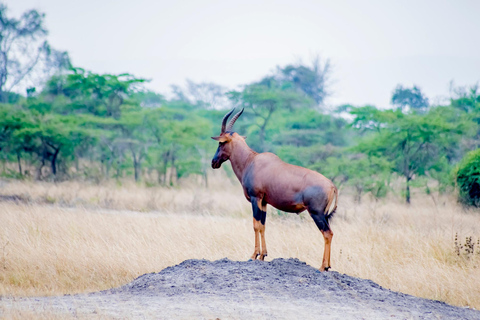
[[280, 289]]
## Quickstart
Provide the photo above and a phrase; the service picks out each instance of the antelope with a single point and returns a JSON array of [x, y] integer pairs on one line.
[[268, 180]]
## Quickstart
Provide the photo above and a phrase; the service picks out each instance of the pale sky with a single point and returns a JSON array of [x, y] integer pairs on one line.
[[372, 45]]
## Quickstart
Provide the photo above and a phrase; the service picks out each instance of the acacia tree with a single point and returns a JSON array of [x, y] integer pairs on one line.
[[88, 92], [266, 97], [51, 138], [178, 142], [409, 99], [11, 120], [24, 51], [312, 79], [414, 144]]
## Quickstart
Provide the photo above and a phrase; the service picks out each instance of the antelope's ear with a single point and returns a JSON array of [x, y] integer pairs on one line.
[[221, 138]]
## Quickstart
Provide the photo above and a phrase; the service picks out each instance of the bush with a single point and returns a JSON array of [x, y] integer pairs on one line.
[[468, 178]]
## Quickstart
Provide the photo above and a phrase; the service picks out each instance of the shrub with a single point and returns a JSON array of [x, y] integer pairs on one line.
[[468, 178]]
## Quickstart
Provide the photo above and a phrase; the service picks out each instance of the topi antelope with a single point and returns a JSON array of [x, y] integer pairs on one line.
[[268, 180]]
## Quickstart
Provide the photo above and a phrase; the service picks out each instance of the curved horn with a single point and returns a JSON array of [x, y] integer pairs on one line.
[[224, 120], [235, 117]]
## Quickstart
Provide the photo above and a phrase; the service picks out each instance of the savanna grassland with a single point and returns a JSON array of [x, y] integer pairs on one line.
[[76, 237]]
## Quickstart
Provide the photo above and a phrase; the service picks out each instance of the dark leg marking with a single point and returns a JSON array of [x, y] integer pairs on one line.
[[321, 221]]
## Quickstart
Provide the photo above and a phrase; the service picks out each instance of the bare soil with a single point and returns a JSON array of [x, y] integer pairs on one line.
[[225, 289]]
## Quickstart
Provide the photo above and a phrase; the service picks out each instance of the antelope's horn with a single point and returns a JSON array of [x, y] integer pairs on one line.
[[235, 117], [224, 120]]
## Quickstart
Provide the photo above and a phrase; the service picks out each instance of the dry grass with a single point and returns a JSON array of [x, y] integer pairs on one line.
[[48, 249], [187, 198]]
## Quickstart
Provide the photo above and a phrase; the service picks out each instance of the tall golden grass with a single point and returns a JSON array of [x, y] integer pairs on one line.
[[75, 237]]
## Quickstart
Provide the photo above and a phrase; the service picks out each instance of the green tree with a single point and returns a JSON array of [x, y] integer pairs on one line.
[[11, 120], [102, 95], [266, 97], [467, 176], [409, 99], [413, 143], [311, 79], [179, 137], [52, 138], [467, 100]]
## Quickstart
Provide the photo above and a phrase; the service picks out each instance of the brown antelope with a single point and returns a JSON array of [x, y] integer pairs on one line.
[[268, 180]]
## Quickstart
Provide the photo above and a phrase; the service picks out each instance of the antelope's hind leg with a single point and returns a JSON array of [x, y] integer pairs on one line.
[[259, 216], [256, 228], [322, 223]]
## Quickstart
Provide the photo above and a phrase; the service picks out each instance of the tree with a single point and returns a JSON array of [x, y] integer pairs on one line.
[[311, 80], [11, 120], [364, 173], [148, 99], [467, 100], [81, 91], [467, 176], [266, 97], [409, 99], [413, 143], [50, 136], [178, 142], [24, 50]]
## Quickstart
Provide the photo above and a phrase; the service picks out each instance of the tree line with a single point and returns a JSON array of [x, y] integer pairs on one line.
[[76, 124]]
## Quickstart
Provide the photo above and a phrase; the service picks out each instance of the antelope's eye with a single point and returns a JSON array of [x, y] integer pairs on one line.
[[222, 143]]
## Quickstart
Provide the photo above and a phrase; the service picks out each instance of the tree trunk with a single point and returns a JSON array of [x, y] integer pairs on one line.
[[19, 160], [118, 171], [172, 170], [54, 161], [136, 167], [407, 191], [77, 162], [166, 157], [159, 176]]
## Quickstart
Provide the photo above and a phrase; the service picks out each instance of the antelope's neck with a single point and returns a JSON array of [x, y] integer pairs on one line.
[[241, 157]]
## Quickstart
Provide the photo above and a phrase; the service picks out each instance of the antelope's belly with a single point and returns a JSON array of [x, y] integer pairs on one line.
[[288, 205], [285, 198]]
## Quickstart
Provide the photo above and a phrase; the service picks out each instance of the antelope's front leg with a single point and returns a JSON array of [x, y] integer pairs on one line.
[[264, 245], [259, 216]]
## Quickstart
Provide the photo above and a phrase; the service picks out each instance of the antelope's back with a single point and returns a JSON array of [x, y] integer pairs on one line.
[[288, 187]]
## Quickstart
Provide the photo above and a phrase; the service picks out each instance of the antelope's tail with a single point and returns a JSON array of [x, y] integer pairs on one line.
[[332, 203]]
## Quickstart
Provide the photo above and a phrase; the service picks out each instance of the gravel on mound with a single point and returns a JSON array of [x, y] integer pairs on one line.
[[280, 289]]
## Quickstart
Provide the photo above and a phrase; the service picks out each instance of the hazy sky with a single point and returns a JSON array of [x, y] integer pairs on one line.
[[373, 45]]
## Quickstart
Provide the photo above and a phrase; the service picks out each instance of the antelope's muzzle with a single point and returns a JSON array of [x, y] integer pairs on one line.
[[216, 163]]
